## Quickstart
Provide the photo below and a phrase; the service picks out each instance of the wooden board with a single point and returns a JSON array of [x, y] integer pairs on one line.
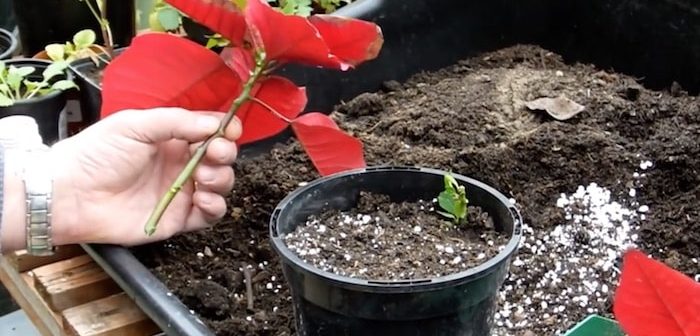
[[115, 315], [21, 287], [23, 262], [72, 282]]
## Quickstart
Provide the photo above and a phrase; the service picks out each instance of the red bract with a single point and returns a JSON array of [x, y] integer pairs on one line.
[[320, 40], [240, 61], [330, 149], [221, 16], [162, 70], [279, 94], [350, 40], [653, 299]]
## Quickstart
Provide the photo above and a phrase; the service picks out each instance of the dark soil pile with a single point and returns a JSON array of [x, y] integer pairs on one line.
[[470, 118], [381, 240]]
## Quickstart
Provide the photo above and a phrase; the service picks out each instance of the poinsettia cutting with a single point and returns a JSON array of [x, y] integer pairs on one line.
[[654, 299], [240, 82]]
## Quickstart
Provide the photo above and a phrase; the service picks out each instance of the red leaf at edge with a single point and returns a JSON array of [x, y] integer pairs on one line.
[[330, 149], [653, 299], [163, 70], [288, 38], [351, 40], [240, 61], [279, 93], [221, 16]]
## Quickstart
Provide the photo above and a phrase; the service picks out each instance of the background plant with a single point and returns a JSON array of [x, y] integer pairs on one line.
[[100, 14], [240, 80], [16, 85], [82, 46]]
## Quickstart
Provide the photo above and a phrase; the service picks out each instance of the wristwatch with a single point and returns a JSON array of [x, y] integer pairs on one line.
[[38, 189], [27, 157]]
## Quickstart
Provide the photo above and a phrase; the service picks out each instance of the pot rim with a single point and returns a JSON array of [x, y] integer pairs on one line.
[[473, 273], [13, 43]]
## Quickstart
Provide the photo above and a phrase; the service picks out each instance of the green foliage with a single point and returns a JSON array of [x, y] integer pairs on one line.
[[15, 84], [332, 5], [307, 7], [164, 17], [453, 200], [82, 46]]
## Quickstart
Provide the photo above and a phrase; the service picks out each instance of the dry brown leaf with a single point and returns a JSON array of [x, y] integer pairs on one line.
[[560, 108]]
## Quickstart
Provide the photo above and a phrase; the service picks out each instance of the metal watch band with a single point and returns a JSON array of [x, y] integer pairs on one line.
[[38, 189]]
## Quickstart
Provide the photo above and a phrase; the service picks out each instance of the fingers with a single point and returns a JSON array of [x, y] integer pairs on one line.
[[218, 179], [207, 209], [162, 124]]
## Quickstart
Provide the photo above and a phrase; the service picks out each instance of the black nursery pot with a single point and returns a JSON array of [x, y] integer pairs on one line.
[[90, 90], [47, 109], [41, 22], [328, 304], [8, 44]]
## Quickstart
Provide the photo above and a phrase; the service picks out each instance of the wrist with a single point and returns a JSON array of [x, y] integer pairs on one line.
[[64, 204]]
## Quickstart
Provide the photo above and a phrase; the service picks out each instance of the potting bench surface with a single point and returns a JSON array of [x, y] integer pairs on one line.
[[69, 294]]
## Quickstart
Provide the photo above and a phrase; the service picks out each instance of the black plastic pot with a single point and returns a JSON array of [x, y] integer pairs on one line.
[[326, 304], [8, 44], [46, 110], [90, 90], [657, 40], [42, 22]]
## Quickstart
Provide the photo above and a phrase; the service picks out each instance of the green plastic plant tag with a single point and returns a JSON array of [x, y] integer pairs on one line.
[[595, 325]]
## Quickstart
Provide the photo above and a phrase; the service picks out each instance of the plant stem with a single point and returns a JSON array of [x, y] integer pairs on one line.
[[187, 172], [104, 25]]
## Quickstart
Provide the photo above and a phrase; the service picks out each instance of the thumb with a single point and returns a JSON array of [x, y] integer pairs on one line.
[[167, 123]]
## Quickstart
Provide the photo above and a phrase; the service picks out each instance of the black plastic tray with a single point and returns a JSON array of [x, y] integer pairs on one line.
[[657, 40]]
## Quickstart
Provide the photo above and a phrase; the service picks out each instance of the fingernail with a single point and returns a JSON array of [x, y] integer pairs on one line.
[[207, 123]]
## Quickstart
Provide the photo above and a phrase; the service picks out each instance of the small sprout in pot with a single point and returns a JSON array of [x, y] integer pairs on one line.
[[453, 200]]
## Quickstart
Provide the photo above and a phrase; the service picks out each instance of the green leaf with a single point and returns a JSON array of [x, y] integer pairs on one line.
[[84, 39], [4, 88], [453, 199], [446, 214], [5, 100], [15, 76], [240, 3], [169, 18], [30, 85], [55, 51], [2, 68], [25, 71], [446, 201], [55, 69], [64, 85]]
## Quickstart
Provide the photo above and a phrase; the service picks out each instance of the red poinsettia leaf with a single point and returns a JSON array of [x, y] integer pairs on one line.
[[287, 38], [221, 16], [240, 60], [163, 70], [654, 299], [258, 122], [351, 40], [330, 149]]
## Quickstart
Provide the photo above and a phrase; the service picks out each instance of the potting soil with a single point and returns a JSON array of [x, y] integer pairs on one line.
[[382, 240], [622, 172]]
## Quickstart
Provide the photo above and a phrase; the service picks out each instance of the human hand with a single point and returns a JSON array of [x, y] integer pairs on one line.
[[109, 177]]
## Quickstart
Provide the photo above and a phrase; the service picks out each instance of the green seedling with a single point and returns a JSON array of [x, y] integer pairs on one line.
[[453, 200], [15, 84], [82, 46]]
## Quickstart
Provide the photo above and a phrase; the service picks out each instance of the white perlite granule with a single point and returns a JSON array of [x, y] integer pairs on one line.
[[572, 265]]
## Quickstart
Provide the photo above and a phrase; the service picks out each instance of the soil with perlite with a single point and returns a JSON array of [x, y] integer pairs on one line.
[[382, 240], [623, 172]]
